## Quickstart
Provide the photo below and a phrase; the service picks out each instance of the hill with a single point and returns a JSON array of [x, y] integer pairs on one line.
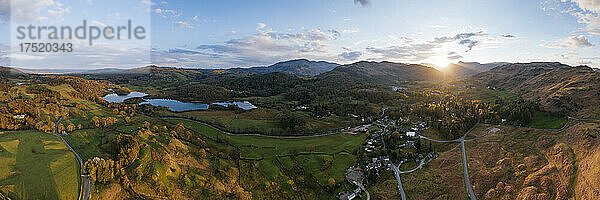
[[7, 72], [386, 72], [558, 87], [300, 67], [467, 69]]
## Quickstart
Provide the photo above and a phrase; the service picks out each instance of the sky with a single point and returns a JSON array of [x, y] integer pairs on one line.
[[225, 34]]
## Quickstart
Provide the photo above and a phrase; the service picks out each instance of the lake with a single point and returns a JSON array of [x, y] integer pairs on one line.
[[240, 104], [174, 105], [114, 98]]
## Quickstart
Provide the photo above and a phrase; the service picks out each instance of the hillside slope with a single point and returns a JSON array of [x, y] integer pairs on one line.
[[558, 87], [386, 72], [300, 67], [467, 69]]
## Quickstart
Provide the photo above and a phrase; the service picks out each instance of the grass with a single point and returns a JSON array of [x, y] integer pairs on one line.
[[263, 146], [547, 120], [35, 165], [260, 120], [279, 166]]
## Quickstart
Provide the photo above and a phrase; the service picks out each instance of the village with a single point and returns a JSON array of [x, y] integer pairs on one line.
[[379, 158]]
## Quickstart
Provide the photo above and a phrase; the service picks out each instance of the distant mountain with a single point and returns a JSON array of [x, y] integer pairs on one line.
[[104, 71], [558, 87], [597, 69], [467, 69], [386, 72], [72, 71], [8, 72], [300, 67]]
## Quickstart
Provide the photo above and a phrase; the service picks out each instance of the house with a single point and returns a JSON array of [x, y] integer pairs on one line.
[[302, 108], [19, 117], [411, 134]]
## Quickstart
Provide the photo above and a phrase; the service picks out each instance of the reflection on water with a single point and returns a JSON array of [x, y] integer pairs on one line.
[[175, 105], [240, 104], [114, 98]]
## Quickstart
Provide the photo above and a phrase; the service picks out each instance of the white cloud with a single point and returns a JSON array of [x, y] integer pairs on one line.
[[363, 3], [260, 26], [587, 5], [166, 13], [59, 11], [183, 25], [587, 12], [148, 2], [26, 11], [409, 49], [264, 47], [352, 55], [574, 42]]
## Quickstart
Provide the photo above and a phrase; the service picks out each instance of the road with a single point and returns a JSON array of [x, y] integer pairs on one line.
[[400, 188], [462, 140], [466, 172], [87, 181], [364, 189]]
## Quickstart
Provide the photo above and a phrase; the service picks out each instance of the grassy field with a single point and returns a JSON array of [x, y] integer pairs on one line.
[[547, 120], [278, 163], [35, 165], [260, 120], [257, 146]]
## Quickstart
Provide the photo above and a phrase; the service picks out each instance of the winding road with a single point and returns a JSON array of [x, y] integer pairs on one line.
[[87, 181], [462, 140]]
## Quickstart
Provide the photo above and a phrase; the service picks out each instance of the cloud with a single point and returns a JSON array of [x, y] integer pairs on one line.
[[417, 51], [454, 57], [508, 36], [363, 3], [190, 51], [59, 11], [587, 5], [412, 52], [164, 13], [469, 43], [574, 42], [26, 11], [460, 36], [587, 12], [352, 55], [148, 2], [183, 25], [264, 47], [260, 26], [4, 10]]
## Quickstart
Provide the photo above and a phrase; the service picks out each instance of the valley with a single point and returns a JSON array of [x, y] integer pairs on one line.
[[236, 134]]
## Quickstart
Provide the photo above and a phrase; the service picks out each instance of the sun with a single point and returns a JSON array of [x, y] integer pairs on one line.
[[440, 61]]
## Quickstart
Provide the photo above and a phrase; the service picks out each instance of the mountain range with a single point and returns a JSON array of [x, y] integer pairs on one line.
[[299, 67]]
